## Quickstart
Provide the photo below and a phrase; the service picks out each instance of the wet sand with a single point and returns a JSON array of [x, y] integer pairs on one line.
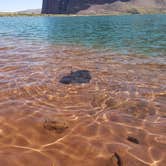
[[117, 119]]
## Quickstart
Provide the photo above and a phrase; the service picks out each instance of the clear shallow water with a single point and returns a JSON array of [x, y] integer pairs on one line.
[[123, 34], [116, 119]]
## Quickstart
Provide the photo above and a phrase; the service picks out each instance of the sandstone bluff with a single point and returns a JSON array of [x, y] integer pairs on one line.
[[103, 6]]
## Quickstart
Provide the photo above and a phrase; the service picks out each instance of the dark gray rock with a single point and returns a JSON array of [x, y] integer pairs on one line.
[[133, 140], [79, 76]]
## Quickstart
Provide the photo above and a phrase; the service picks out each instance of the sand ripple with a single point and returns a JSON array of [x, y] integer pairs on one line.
[[117, 119]]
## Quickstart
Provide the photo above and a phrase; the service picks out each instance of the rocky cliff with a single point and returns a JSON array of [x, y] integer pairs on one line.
[[103, 6]]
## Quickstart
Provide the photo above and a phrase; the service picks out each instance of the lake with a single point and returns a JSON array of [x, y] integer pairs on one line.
[[123, 34], [83, 90]]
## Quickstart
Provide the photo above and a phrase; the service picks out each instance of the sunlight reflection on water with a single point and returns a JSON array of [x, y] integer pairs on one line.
[[115, 118]]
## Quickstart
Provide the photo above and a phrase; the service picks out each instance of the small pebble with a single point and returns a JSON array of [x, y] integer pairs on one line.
[[115, 160], [57, 125], [133, 140]]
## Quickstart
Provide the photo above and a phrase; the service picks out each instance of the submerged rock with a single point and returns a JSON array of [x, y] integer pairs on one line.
[[115, 160], [79, 76], [57, 125], [133, 140]]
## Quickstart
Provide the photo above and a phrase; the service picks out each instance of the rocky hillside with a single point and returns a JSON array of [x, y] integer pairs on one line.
[[103, 6]]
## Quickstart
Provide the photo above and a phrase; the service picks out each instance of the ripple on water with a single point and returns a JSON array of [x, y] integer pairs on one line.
[[116, 118]]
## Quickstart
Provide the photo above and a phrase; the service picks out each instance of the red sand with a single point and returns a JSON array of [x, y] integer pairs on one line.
[[118, 119]]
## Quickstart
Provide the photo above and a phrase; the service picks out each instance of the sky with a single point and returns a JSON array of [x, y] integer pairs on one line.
[[17, 5]]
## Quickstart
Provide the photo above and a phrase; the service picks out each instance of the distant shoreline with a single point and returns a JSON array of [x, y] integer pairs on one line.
[[6, 14]]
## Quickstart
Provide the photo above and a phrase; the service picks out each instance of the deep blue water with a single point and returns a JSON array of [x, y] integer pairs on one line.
[[138, 34]]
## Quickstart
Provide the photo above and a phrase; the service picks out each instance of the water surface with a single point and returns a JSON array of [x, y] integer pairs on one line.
[[116, 118], [123, 34]]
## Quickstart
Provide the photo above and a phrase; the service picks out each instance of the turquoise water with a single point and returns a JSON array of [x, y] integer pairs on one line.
[[135, 34]]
